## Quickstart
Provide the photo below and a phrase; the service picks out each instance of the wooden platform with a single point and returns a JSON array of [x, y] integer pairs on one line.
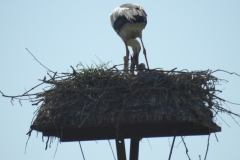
[[166, 127], [142, 130]]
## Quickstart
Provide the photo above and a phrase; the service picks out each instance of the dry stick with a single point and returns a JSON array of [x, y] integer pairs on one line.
[[224, 100], [56, 149], [111, 149], [29, 135], [207, 148], [74, 71], [24, 94], [224, 121], [20, 102], [29, 97], [178, 144], [38, 61], [81, 150], [47, 143], [149, 144], [226, 72], [186, 148], [234, 120], [216, 136], [169, 142], [171, 148], [227, 111]]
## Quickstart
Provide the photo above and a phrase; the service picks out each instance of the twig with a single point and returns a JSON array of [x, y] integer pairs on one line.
[[47, 143], [171, 148], [225, 100], [186, 148], [12, 101], [39, 61], [99, 59], [234, 120], [224, 121], [24, 94], [20, 102], [207, 148], [149, 144], [173, 69], [29, 135], [216, 136], [226, 72], [169, 142], [179, 143], [81, 150], [226, 111], [74, 71], [111, 149], [56, 149]]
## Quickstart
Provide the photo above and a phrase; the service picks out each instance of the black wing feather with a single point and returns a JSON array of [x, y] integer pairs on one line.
[[132, 14]]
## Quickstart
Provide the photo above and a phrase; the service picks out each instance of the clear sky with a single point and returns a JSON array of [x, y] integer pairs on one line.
[[193, 35]]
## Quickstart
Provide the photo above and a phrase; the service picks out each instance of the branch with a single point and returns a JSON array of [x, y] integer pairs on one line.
[[224, 100], [111, 149], [186, 148], [47, 143], [24, 94], [149, 144], [207, 148], [216, 136], [74, 71], [171, 148], [81, 150], [226, 72], [39, 61]]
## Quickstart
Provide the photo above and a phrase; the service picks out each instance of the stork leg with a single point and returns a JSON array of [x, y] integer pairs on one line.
[[135, 57], [132, 66], [126, 58], [144, 52]]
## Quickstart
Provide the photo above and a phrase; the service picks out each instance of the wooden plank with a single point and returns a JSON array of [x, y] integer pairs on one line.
[[140, 130]]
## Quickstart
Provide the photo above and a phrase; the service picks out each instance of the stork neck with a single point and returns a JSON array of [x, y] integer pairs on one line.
[[133, 43], [136, 47]]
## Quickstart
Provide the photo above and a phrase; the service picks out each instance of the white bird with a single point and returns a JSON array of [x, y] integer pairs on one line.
[[128, 20]]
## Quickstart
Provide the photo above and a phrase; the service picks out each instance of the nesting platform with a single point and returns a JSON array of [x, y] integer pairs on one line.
[[162, 128], [101, 104]]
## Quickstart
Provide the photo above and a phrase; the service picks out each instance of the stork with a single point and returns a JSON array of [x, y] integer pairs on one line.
[[128, 20]]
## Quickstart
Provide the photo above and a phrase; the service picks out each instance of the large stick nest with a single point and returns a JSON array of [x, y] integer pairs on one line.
[[102, 96]]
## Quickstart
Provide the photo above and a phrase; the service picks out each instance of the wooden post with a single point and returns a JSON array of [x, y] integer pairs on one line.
[[134, 148], [121, 153]]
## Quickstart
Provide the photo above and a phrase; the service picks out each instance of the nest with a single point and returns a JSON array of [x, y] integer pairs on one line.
[[98, 96]]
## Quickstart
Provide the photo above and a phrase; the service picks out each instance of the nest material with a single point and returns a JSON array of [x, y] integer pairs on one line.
[[97, 96]]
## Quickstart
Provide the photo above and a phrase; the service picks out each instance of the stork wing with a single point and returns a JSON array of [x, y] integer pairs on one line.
[[127, 13]]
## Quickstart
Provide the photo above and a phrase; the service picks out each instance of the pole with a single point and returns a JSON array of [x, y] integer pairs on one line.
[[121, 153], [134, 148]]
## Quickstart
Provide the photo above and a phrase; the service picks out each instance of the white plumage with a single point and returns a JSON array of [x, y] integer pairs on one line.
[[128, 20]]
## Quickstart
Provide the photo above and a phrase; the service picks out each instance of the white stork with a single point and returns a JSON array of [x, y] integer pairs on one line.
[[128, 20]]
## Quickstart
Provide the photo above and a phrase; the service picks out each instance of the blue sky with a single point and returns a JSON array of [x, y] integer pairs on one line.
[[193, 35]]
